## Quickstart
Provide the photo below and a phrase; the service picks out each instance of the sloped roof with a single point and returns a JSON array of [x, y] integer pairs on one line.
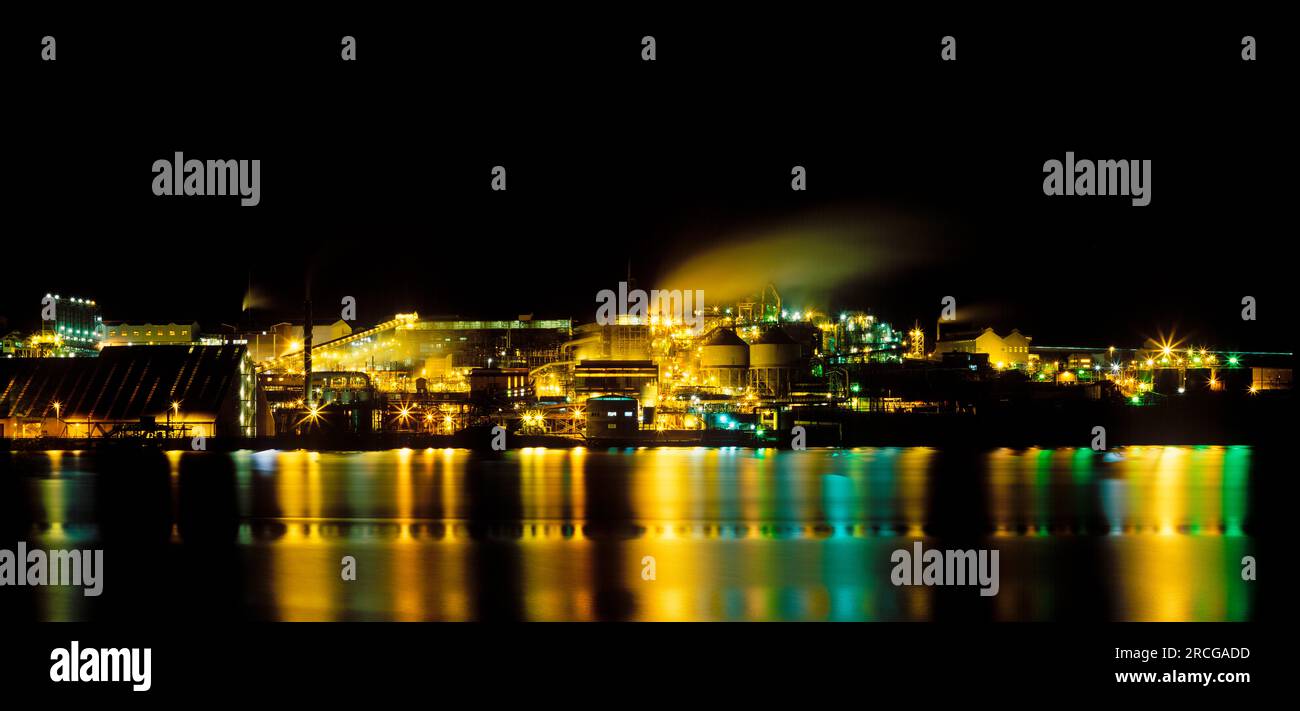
[[724, 336], [123, 383], [775, 336]]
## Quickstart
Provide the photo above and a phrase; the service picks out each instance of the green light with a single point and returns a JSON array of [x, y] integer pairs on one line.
[[855, 388], [1232, 360], [1136, 400]]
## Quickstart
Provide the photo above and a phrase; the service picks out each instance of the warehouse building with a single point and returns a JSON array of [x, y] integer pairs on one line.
[[173, 389]]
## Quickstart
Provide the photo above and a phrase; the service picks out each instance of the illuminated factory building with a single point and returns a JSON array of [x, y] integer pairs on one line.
[[743, 367], [76, 329], [130, 334]]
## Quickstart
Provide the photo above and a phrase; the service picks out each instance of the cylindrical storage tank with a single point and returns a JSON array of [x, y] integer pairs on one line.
[[724, 350], [773, 360], [774, 349], [724, 360]]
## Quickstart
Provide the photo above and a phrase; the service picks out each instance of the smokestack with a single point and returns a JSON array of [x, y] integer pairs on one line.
[[306, 354]]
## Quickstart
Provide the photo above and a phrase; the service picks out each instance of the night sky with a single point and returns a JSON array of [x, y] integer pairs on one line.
[[924, 178]]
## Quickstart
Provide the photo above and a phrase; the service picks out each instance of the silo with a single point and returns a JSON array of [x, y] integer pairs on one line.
[[724, 360], [773, 361]]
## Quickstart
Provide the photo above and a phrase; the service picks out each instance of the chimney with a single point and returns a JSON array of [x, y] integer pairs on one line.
[[306, 354]]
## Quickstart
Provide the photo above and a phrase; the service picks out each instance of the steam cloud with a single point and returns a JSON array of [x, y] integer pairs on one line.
[[805, 260]]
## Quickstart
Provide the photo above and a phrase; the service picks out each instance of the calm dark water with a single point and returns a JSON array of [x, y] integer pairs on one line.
[[1151, 533]]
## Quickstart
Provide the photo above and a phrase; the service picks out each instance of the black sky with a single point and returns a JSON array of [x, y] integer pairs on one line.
[[375, 175]]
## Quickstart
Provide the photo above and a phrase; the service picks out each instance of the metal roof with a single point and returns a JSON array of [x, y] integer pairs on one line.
[[122, 383]]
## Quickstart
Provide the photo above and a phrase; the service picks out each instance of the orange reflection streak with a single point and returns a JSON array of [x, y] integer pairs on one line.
[[451, 475], [1170, 578], [408, 576], [553, 556], [305, 575], [304, 571], [404, 490], [449, 599], [1003, 465], [659, 484], [1169, 499], [53, 498], [407, 570], [913, 471], [1206, 510], [577, 488]]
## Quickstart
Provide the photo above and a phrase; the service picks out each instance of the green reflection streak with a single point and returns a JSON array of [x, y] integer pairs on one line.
[[1236, 472], [1042, 490], [1081, 471], [1238, 591]]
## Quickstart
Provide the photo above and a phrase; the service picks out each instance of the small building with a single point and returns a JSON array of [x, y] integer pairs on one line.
[[16, 345], [1270, 379], [122, 333], [1011, 351], [965, 359], [71, 327], [612, 417]]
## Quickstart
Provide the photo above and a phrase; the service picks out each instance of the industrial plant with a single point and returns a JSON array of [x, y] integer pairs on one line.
[[741, 374]]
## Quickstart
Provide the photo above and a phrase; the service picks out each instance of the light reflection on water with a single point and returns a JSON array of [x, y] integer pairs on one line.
[[1150, 533]]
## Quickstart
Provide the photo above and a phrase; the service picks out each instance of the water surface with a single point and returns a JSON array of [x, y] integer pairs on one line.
[[1151, 533]]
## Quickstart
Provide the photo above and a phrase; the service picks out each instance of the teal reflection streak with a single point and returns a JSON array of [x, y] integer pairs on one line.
[[1236, 480], [883, 494]]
